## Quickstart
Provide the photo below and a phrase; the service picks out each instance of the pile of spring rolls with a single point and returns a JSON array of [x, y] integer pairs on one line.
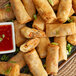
[[34, 42]]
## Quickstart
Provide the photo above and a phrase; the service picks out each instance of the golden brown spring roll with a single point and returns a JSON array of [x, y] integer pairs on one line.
[[6, 14], [42, 47], [35, 65], [24, 74], [20, 12], [29, 6], [62, 50], [18, 59], [45, 10], [29, 45], [55, 8], [72, 38], [52, 59], [20, 39], [74, 5], [58, 30], [9, 69], [64, 10], [39, 23], [32, 33]]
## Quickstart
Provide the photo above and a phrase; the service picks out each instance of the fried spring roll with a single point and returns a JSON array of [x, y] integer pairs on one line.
[[62, 50], [42, 47], [32, 33], [19, 59], [55, 8], [6, 15], [30, 8], [45, 10], [20, 12], [72, 38], [9, 69], [58, 30], [24, 74], [74, 5], [64, 10], [52, 59], [20, 39], [29, 45], [39, 23], [35, 65]]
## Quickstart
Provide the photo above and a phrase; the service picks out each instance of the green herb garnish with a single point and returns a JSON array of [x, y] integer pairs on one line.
[[70, 20], [8, 5], [35, 16], [44, 65], [8, 9], [17, 50], [8, 70], [69, 48], [3, 35], [57, 32], [1, 39], [12, 61], [51, 2], [53, 43], [4, 58]]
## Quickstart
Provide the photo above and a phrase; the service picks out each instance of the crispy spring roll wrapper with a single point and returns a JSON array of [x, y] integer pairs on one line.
[[9, 69], [64, 10], [20, 12], [18, 59], [20, 39], [29, 45], [35, 65], [32, 33], [25, 74], [6, 15], [74, 5], [62, 50], [42, 47], [58, 30], [45, 10], [72, 38], [39, 23], [29, 6], [52, 59]]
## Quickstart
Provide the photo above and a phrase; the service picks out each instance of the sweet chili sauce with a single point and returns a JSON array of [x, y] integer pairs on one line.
[[6, 42]]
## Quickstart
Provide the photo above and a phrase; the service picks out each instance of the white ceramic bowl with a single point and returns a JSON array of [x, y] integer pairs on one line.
[[13, 38]]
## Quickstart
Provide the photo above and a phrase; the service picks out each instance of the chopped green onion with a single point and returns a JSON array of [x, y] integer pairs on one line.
[[17, 50], [57, 32], [8, 9], [53, 43], [8, 70], [8, 5], [35, 16], [70, 20], [1, 39], [44, 65], [12, 61], [51, 2], [4, 58], [3, 35]]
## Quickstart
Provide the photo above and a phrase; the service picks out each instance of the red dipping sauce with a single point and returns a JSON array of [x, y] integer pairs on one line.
[[6, 42]]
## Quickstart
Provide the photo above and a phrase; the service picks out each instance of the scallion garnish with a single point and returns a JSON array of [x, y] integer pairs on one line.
[[12, 61], [54, 43], [4, 58], [3, 35], [44, 65], [8, 5], [69, 48], [8, 70], [35, 16], [51, 2], [8, 9], [1, 39], [70, 20]]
